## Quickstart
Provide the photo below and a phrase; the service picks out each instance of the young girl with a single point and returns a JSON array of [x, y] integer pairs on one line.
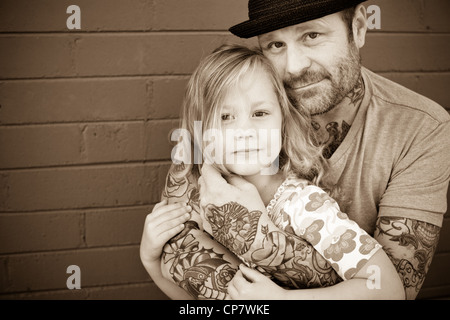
[[241, 103]]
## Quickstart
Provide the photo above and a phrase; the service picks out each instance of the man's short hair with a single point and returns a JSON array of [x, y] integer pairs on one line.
[[347, 16]]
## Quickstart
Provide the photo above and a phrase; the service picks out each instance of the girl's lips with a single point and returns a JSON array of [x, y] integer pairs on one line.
[[246, 151]]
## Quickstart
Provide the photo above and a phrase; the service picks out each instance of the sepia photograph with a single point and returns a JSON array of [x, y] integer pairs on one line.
[[224, 150]]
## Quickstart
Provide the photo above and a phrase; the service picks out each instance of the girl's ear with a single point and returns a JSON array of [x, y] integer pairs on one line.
[[360, 26]]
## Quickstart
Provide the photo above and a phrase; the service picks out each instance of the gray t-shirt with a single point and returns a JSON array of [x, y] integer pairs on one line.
[[395, 159]]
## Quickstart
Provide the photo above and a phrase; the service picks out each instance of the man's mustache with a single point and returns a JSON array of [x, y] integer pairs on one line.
[[306, 78]]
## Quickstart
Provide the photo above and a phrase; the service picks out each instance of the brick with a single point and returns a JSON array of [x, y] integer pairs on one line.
[[158, 144], [40, 231], [436, 15], [148, 54], [136, 54], [81, 187], [4, 281], [140, 291], [33, 146], [71, 100], [431, 85], [406, 52], [146, 291], [434, 293], [413, 15], [168, 97], [99, 15], [63, 294], [444, 238], [69, 144], [35, 56], [140, 15], [120, 226], [114, 142], [98, 267], [198, 14]]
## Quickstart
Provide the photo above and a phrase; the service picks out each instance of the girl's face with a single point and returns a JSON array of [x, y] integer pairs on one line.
[[251, 121]]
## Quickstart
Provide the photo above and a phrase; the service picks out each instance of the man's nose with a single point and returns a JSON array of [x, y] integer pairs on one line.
[[297, 61]]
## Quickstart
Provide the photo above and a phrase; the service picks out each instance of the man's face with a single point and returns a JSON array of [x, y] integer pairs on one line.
[[317, 62]]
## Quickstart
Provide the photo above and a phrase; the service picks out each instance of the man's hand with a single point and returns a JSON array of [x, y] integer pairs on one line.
[[249, 284], [216, 191]]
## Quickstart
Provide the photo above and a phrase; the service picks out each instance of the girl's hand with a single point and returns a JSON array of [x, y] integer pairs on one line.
[[249, 284], [165, 221]]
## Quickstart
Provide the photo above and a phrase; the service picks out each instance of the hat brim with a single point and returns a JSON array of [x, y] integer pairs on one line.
[[280, 20]]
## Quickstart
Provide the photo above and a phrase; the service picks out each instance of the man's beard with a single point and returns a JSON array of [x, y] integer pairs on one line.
[[335, 86]]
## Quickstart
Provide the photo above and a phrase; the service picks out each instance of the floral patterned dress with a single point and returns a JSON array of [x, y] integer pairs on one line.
[[310, 213]]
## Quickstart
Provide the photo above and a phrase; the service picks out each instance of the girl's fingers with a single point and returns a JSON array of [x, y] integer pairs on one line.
[[160, 224], [250, 274], [160, 204], [168, 212], [163, 209], [170, 233], [238, 280], [232, 292]]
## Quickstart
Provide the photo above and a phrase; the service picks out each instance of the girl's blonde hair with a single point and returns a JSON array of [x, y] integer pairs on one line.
[[207, 87]]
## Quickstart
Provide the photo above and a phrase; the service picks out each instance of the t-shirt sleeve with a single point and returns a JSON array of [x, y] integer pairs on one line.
[[315, 217], [418, 185]]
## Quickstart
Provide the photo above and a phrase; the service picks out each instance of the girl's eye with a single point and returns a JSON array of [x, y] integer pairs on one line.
[[260, 113], [226, 117]]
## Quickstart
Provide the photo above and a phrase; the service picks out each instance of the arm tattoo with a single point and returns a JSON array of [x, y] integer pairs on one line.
[[233, 226], [410, 244], [200, 270], [277, 254]]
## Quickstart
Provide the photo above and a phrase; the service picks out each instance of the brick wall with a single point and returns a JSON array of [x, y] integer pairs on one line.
[[85, 115]]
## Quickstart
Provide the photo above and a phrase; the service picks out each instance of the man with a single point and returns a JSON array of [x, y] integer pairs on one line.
[[386, 146]]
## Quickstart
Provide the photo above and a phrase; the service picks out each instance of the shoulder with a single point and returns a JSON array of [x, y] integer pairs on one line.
[[397, 98]]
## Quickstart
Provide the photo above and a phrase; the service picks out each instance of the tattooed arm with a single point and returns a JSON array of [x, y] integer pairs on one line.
[[254, 238], [234, 214], [410, 244], [202, 267], [191, 261]]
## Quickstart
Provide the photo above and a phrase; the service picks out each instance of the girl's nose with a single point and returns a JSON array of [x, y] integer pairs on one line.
[[247, 133]]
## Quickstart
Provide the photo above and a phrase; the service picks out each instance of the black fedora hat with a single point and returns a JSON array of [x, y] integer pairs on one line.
[[269, 15]]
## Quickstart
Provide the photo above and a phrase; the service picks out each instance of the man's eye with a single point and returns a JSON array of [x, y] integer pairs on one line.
[[275, 46], [312, 35]]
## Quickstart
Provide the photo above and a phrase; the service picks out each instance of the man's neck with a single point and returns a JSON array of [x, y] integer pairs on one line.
[[332, 127]]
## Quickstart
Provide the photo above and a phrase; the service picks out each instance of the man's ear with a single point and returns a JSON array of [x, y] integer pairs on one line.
[[360, 26]]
